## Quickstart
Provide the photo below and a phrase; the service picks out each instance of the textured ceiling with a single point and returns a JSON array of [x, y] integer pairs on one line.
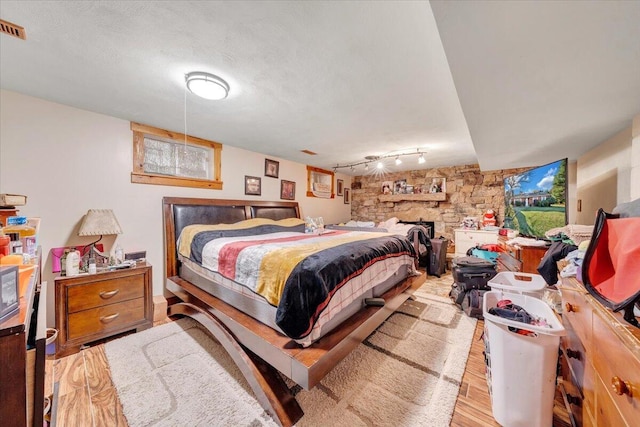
[[533, 81]]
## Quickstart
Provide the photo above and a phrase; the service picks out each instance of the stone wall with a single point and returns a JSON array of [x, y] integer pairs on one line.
[[469, 192]]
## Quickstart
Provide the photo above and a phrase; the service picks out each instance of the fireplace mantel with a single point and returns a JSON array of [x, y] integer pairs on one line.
[[422, 197]]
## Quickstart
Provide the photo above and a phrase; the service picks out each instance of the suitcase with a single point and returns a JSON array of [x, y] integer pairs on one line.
[[472, 303], [472, 273], [438, 257]]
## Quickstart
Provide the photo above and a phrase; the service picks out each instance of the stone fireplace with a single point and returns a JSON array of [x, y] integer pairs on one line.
[[469, 192]]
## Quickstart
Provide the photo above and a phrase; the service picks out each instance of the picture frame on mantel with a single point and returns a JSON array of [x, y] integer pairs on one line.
[[438, 185]]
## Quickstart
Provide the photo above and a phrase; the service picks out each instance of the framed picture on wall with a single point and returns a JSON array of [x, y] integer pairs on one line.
[[271, 168], [347, 196], [252, 185], [340, 187], [287, 190]]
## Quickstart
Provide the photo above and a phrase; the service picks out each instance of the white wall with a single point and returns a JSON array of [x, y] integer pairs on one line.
[[604, 176], [68, 160], [635, 159]]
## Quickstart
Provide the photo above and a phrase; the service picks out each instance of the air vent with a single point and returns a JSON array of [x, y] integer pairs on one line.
[[309, 152], [12, 29]]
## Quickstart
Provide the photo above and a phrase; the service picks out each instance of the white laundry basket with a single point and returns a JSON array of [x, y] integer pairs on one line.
[[521, 368], [519, 283]]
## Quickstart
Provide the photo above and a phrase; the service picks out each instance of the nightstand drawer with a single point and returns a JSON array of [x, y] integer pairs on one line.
[[101, 319], [103, 292], [90, 307]]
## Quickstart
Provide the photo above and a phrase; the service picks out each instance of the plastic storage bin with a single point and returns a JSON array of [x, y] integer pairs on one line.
[[518, 283], [521, 367]]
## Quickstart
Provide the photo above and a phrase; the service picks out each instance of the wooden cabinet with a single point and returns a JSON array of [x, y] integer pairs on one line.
[[90, 307], [520, 258], [22, 359], [466, 239], [600, 361]]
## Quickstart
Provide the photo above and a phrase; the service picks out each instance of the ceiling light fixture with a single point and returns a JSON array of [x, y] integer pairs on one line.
[[206, 85], [380, 160]]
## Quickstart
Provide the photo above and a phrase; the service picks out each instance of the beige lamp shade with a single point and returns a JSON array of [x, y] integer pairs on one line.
[[99, 222]]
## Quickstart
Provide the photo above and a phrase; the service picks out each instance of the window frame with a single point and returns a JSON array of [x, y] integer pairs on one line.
[[139, 176], [311, 171]]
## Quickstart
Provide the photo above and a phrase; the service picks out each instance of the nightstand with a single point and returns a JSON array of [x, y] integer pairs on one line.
[[90, 307]]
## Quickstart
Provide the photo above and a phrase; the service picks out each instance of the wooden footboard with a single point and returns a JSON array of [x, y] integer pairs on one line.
[[261, 352]]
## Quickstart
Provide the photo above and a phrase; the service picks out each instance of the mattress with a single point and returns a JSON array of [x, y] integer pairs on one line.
[[313, 282]]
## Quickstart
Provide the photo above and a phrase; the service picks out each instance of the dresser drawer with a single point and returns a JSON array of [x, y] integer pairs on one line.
[[607, 413], [101, 319], [577, 310], [575, 356], [614, 360], [102, 292], [571, 391]]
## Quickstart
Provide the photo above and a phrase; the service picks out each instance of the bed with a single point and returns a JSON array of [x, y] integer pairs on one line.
[[240, 319]]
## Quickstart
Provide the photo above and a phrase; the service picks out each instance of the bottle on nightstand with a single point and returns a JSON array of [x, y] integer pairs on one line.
[[73, 263]]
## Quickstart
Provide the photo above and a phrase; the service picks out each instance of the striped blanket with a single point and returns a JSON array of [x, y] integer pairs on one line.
[[296, 272]]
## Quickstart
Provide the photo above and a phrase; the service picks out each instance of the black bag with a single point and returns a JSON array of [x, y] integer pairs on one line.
[[457, 294], [438, 257], [472, 272], [472, 303]]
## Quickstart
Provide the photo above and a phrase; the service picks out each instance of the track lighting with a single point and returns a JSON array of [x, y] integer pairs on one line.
[[379, 160]]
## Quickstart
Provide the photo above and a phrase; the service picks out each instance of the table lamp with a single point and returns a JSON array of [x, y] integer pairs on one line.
[[99, 222]]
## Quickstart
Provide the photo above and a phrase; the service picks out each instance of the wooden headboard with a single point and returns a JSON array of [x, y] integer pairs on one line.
[[178, 212]]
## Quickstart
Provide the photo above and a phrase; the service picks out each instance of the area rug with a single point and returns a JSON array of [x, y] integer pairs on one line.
[[406, 373]]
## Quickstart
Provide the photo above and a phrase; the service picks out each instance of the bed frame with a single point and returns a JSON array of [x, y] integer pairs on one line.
[[259, 351]]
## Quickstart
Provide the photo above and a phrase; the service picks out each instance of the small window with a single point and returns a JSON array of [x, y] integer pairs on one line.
[[162, 157], [320, 183]]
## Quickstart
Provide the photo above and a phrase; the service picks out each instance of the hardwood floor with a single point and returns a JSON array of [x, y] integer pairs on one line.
[[86, 396]]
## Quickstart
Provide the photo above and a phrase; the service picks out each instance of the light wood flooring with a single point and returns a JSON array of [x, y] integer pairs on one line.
[[86, 396]]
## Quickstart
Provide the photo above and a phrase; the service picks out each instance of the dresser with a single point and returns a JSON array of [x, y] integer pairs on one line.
[[90, 307], [600, 361], [22, 359], [466, 239], [520, 258]]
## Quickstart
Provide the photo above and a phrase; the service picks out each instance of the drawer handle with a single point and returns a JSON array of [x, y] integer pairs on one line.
[[574, 400], [107, 295], [573, 354], [109, 318], [570, 307], [621, 387]]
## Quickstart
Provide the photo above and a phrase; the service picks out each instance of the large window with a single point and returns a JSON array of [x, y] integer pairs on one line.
[[162, 157]]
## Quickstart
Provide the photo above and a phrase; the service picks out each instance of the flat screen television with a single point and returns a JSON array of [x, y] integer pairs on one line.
[[536, 200]]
